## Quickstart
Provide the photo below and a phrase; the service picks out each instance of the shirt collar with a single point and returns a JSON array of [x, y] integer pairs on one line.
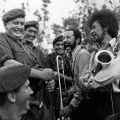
[[112, 42]]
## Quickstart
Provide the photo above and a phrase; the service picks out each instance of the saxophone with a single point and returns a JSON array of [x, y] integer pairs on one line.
[[104, 58]]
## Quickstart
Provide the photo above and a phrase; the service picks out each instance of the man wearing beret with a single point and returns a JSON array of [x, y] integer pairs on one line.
[[12, 50], [30, 34], [14, 92]]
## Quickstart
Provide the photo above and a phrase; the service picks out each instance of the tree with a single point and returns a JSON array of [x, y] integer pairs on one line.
[[80, 17], [45, 12], [87, 7], [43, 18], [57, 29], [71, 22]]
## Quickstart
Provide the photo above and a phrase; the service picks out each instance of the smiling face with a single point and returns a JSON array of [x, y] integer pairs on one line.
[[31, 33], [15, 27], [23, 97], [59, 47], [69, 37], [97, 32]]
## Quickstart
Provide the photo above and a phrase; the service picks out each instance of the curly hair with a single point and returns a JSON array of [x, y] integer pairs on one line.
[[107, 19]]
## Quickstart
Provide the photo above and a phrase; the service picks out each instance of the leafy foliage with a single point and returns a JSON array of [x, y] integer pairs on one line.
[[57, 29], [85, 9], [71, 22]]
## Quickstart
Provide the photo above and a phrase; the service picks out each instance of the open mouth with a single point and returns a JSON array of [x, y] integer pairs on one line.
[[17, 32], [94, 36], [66, 43]]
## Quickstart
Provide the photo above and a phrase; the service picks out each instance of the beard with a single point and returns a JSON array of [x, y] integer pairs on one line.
[[73, 45], [99, 38]]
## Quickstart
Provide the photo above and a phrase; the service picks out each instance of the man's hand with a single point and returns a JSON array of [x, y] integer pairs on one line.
[[66, 111], [50, 85], [83, 80], [71, 91], [55, 75], [47, 74]]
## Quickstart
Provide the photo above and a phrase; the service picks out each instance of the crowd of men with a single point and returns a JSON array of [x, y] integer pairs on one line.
[[30, 82]]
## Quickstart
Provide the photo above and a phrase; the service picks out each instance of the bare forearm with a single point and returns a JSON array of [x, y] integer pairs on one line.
[[11, 62], [36, 74], [45, 74]]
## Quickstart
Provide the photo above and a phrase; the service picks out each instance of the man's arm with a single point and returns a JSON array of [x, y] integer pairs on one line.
[[7, 58], [46, 74], [66, 77]]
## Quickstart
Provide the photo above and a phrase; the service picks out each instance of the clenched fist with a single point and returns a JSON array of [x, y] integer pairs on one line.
[[50, 85], [47, 74]]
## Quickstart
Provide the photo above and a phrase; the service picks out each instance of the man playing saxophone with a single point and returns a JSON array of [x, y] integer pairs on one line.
[[105, 100]]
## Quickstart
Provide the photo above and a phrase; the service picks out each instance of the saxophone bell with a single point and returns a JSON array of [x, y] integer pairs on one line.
[[104, 57]]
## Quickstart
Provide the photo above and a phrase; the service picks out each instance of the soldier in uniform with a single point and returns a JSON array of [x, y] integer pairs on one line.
[[31, 33], [14, 92], [12, 51]]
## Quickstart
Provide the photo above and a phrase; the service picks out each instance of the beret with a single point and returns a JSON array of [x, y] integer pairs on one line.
[[32, 23], [58, 38], [12, 14], [12, 77]]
